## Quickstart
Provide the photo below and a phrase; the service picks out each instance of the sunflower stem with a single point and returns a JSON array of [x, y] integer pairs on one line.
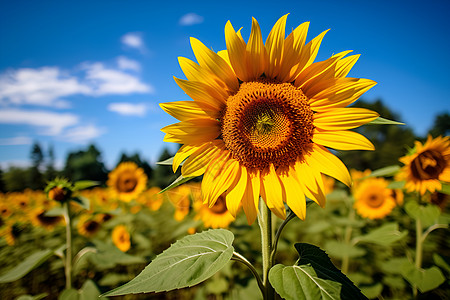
[[238, 257], [68, 257], [347, 240], [265, 224], [290, 216], [419, 241]]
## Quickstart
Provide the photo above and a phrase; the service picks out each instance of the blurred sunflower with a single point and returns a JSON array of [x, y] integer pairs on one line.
[[262, 116], [121, 238], [328, 183], [151, 198], [10, 231], [127, 181], [180, 198], [427, 165], [88, 226], [216, 216], [373, 199], [39, 219]]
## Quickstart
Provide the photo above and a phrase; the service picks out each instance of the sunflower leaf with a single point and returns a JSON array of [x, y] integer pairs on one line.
[[428, 214], [383, 121], [324, 268], [445, 188], [180, 180], [425, 279], [396, 185], [30, 263], [84, 184], [187, 262], [385, 235]]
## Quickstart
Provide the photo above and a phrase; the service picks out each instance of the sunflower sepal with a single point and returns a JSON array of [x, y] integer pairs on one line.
[[313, 274], [166, 162], [384, 172], [84, 184], [180, 180], [185, 263], [383, 121]]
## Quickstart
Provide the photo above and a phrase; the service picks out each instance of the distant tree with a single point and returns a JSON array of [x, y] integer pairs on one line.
[[16, 179], [163, 175], [35, 177], [138, 161], [390, 141], [50, 172], [441, 125], [85, 165], [2, 182]]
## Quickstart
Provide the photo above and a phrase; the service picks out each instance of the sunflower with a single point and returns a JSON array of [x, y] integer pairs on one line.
[[121, 238], [427, 165], [88, 226], [261, 117], [180, 198], [373, 199], [39, 219], [127, 181], [151, 198], [216, 216]]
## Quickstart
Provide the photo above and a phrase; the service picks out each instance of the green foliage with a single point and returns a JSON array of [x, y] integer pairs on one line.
[[441, 125], [340, 249], [325, 269], [302, 282], [179, 181], [428, 214], [29, 297], [384, 235], [88, 291], [31, 262], [85, 165], [163, 174], [15, 179], [425, 279], [385, 172], [187, 262], [108, 256]]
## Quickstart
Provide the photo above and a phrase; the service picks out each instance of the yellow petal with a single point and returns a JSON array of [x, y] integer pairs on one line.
[[236, 52], [344, 65], [197, 162], [248, 200], [255, 179], [293, 46], [273, 192], [311, 181], [342, 140], [343, 118], [215, 64], [295, 198], [275, 47], [185, 110], [202, 93], [184, 152], [256, 56], [199, 130], [329, 164], [225, 57], [343, 92], [236, 191]]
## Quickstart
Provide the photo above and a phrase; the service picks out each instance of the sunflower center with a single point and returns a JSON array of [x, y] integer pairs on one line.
[[220, 206], [428, 165], [375, 200], [126, 183], [267, 122]]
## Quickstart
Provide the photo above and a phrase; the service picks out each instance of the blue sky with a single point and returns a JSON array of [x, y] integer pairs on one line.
[[77, 72]]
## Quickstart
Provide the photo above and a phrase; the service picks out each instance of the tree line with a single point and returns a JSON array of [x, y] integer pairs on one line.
[[390, 142]]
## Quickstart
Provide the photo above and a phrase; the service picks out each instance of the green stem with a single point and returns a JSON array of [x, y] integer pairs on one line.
[[265, 224], [347, 239], [68, 257], [419, 241], [290, 216], [238, 257]]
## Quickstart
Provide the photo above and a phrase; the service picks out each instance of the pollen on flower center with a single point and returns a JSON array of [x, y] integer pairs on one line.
[[267, 122]]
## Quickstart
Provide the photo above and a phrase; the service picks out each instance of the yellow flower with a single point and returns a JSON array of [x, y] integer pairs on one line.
[[216, 216], [121, 238], [127, 181], [373, 199], [328, 183], [262, 116], [39, 219], [180, 198], [427, 165], [88, 226], [151, 198]]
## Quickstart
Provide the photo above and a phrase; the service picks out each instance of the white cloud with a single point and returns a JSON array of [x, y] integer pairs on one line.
[[82, 133], [50, 123], [133, 40], [125, 63], [106, 81], [17, 140], [44, 86], [129, 109], [190, 19]]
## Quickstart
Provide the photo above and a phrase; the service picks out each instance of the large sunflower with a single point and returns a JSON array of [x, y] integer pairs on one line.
[[373, 199], [427, 165], [262, 116], [127, 181]]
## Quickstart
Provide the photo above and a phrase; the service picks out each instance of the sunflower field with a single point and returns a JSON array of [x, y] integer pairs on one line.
[[263, 207]]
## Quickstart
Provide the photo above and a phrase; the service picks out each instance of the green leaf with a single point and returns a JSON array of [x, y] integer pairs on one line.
[[82, 201], [180, 180], [383, 121], [301, 282], [394, 265], [108, 256], [425, 279], [111, 279], [55, 212], [187, 262], [324, 268], [439, 261], [396, 185], [85, 184], [29, 297], [385, 235], [31, 262], [445, 188], [428, 214], [340, 249], [385, 172], [88, 291], [69, 294], [372, 291], [167, 162], [395, 282]]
